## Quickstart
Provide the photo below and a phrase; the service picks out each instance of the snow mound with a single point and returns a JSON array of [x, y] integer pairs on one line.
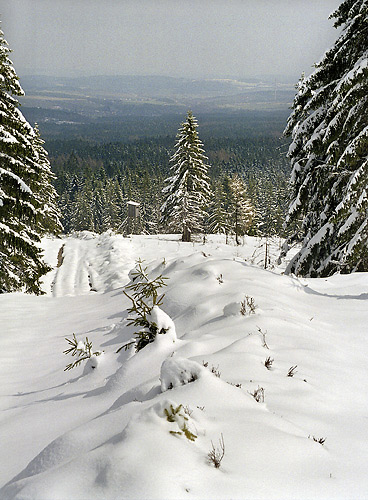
[[232, 309], [163, 322], [176, 371], [92, 363]]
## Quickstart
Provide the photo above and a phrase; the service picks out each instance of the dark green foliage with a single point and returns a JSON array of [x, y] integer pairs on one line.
[[187, 189], [151, 126], [143, 287], [231, 210], [144, 297], [44, 193], [27, 209], [137, 169], [329, 127]]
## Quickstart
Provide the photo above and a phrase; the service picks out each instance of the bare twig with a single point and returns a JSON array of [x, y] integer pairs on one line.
[[292, 371], [216, 455], [263, 337], [258, 394]]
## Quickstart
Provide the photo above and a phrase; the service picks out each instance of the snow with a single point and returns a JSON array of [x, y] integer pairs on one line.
[[359, 67], [162, 321], [177, 371], [353, 145], [106, 432]]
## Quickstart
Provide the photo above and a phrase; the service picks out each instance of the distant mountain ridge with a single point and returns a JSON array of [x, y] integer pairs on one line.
[[65, 106], [153, 85]]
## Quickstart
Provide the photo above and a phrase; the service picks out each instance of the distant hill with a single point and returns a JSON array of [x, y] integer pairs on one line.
[[107, 95], [121, 108]]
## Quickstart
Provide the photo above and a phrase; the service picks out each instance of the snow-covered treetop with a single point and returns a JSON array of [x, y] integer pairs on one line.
[[349, 9], [9, 81]]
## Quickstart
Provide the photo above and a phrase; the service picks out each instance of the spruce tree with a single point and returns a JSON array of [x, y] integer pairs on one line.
[[241, 210], [21, 190], [188, 190], [218, 209], [231, 211], [82, 218], [44, 192], [329, 129]]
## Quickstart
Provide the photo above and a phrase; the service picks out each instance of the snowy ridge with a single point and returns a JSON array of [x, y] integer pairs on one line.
[[112, 433]]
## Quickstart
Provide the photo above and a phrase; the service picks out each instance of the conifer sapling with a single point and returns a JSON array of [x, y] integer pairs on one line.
[[144, 298], [82, 349]]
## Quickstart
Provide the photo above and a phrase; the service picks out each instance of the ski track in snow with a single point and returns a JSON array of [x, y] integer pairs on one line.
[[84, 263], [104, 435]]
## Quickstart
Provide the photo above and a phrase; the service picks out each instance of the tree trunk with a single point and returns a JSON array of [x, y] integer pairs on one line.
[[236, 228], [187, 233]]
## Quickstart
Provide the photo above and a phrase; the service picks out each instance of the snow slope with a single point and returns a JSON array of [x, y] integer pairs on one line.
[[109, 433]]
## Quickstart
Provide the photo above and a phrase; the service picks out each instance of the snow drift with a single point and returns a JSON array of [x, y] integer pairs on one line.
[[119, 430]]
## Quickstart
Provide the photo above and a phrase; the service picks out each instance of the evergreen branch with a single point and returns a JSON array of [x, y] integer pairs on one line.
[[76, 363]]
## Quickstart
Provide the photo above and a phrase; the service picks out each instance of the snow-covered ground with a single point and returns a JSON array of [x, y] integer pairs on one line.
[[112, 432]]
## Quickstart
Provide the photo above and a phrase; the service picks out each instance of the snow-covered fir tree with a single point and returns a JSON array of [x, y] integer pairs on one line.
[[329, 154], [231, 210], [241, 209], [112, 216], [44, 192], [83, 215], [24, 193], [269, 194], [187, 190], [219, 220]]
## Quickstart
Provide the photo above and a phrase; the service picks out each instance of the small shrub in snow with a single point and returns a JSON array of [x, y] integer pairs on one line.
[[247, 306], [143, 287], [268, 363], [250, 304], [145, 308], [258, 394], [216, 455], [83, 351], [220, 279], [292, 371], [176, 415], [243, 309], [172, 413], [235, 385], [187, 410], [214, 369], [263, 337], [319, 440]]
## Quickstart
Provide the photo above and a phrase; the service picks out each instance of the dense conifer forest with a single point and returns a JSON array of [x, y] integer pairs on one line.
[[95, 178]]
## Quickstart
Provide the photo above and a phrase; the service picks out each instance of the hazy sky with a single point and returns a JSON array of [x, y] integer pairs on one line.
[[193, 38]]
